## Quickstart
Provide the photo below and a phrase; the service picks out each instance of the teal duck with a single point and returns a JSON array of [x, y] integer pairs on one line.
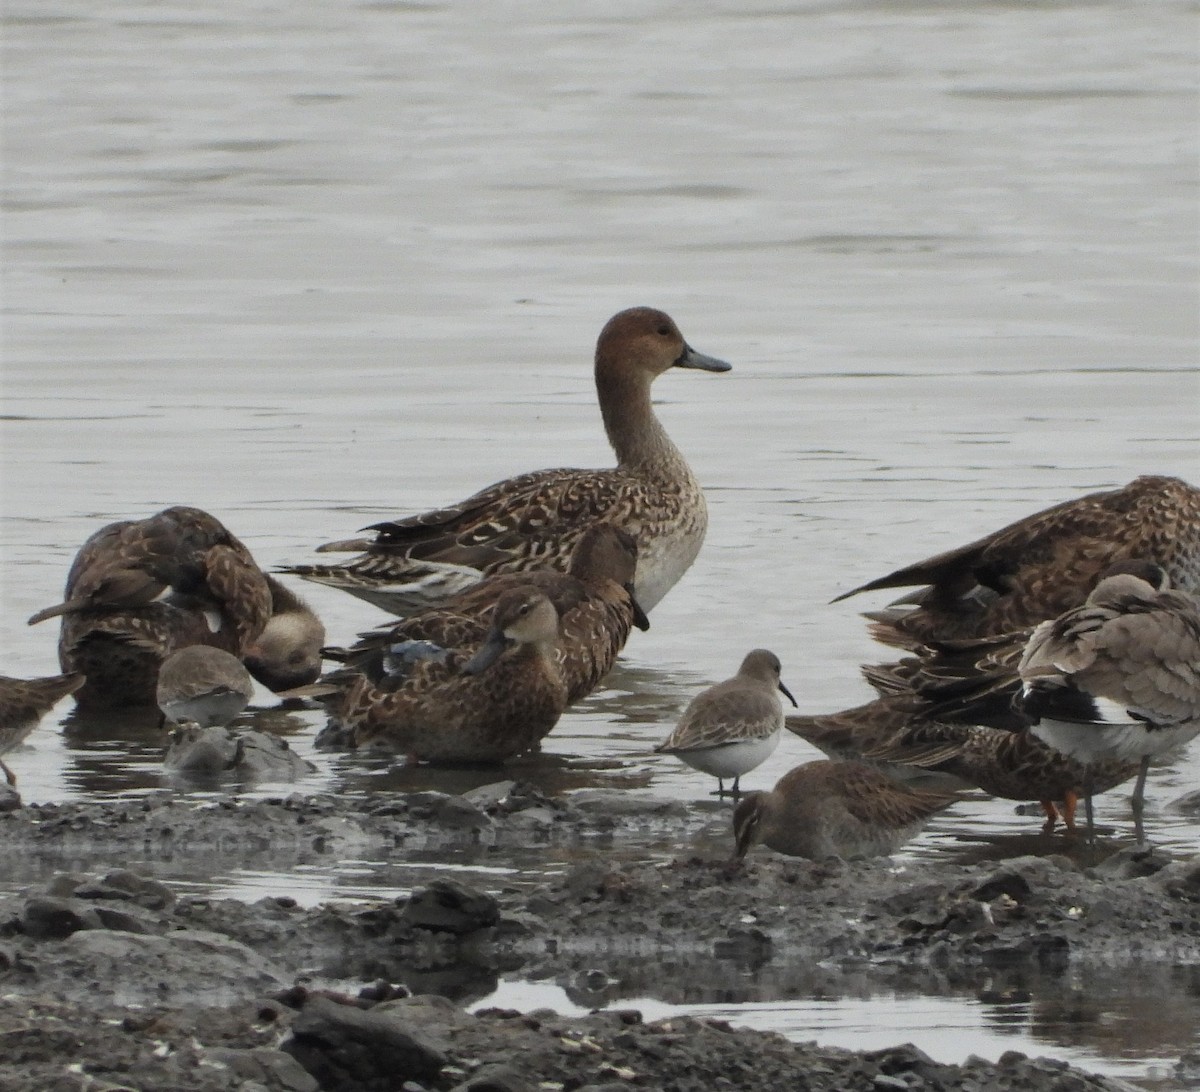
[[139, 590], [441, 705], [533, 521], [594, 600], [894, 733]]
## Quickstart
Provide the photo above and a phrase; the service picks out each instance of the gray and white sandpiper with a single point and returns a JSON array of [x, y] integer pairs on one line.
[[733, 727], [203, 685]]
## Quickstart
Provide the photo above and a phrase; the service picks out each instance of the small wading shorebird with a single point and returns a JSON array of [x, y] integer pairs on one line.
[[23, 703], [1117, 678], [732, 727], [533, 521], [834, 809], [203, 685], [907, 747]]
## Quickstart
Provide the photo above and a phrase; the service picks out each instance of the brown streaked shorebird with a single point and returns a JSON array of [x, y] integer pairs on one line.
[[733, 727], [1117, 679], [835, 809], [203, 685], [594, 600], [1013, 765], [23, 703], [950, 708], [499, 703], [1046, 563], [534, 520]]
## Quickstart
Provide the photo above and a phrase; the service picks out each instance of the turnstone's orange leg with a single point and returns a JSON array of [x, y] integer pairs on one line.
[[1051, 816], [1070, 803]]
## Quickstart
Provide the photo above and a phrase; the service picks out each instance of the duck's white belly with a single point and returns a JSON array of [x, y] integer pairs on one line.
[[666, 553]]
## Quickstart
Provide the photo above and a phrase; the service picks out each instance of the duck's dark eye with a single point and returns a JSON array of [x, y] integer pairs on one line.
[[665, 331]]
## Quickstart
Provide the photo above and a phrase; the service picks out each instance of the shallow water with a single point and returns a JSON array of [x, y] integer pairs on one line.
[[308, 268]]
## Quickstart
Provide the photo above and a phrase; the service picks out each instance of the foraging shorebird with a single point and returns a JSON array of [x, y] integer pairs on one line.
[[1046, 563], [892, 734], [23, 703], [834, 809], [1116, 679], [534, 520], [733, 727]]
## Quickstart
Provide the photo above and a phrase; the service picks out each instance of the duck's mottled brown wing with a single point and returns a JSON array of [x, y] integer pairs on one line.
[[1046, 563]]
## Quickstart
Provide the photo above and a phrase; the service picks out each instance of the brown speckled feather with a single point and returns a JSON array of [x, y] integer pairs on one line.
[[209, 591], [534, 520], [23, 703], [1042, 565], [847, 809], [441, 711], [1128, 644], [596, 612]]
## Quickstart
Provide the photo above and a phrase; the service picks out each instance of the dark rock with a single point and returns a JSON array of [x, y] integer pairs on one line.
[[495, 1078], [53, 919], [1007, 882], [273, 1069], [447, 906], [121, 884], [1132, 863], [350, 1050]]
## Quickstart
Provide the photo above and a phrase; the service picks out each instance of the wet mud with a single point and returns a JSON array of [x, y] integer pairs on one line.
[[111, 979]]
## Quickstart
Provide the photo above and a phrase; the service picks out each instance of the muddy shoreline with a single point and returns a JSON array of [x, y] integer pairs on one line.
[[107, 970]]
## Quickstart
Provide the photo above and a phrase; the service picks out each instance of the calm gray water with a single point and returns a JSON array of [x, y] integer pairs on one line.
[[308, 266]]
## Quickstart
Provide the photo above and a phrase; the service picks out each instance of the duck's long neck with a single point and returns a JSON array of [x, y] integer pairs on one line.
[[636, 434]]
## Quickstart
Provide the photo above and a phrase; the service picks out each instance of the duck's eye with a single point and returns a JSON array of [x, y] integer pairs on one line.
[[665, 331]]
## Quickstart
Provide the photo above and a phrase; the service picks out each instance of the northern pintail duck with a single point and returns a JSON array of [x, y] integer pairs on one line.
[[444, 707], [23, 703], [733, 727], [1117, 678], [1046, 563], [1013, 765], [203, 685], [139, 590], [534, 520], [594, 600], [835, 809]]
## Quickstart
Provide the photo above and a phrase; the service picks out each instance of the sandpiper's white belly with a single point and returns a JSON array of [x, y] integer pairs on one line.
[[731, 759]]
